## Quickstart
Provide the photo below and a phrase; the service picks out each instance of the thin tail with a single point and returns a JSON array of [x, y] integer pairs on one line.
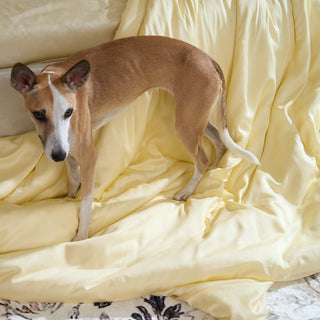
[[222, 124], [233, 147]]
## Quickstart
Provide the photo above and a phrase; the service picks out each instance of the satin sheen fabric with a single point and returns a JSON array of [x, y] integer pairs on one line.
[[243, 229]]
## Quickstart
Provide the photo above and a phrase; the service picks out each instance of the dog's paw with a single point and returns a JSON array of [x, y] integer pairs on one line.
[[71, 194], [182, 195], [79, 237]]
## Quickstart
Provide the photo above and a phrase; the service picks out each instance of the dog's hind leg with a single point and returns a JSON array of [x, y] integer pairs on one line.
[[201, 160], [192, 115], [190, 134], [183, 194], [213, 134]]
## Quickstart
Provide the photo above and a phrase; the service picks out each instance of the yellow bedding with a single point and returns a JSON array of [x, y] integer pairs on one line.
[[243, 229]]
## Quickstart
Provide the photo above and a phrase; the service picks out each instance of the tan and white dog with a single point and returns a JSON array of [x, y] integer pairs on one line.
[[85, 91]]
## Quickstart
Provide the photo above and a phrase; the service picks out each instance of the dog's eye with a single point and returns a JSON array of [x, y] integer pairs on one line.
[[40, 115], [68, 113]]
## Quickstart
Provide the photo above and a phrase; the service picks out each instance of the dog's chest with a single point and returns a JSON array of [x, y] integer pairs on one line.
[[101, 121]]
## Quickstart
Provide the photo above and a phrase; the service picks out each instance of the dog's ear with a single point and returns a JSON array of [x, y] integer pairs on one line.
[[77, 76], [22, 78]]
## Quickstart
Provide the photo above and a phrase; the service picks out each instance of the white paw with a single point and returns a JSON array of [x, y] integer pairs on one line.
[[182, 195], [80, 236]]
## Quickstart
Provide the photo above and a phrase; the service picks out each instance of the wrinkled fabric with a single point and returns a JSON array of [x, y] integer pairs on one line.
[[243, 229]]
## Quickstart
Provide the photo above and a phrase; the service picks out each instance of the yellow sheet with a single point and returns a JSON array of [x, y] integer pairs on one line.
[[243, 229]]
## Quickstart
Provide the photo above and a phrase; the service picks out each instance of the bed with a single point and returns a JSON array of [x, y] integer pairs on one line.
[[244, 246]]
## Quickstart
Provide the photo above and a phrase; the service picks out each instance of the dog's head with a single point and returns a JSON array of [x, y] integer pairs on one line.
[[51, 101]]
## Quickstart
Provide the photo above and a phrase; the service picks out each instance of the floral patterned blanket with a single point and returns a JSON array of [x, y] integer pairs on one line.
[[296, 300]]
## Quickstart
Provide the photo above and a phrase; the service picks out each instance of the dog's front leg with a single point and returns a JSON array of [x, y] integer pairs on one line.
[[87, 173], [73, 170]]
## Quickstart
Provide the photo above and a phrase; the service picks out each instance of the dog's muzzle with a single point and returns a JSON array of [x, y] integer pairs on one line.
[[58, 155]]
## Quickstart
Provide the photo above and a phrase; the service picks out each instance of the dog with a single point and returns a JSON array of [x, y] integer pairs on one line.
[[69, 99]]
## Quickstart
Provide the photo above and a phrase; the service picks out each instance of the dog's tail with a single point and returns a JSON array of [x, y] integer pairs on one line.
[[222, 125], [234, 148]]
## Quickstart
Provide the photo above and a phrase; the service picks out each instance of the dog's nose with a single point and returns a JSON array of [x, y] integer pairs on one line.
[[58, 155]]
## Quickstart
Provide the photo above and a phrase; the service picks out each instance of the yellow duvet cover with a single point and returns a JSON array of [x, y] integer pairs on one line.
[[243, 229]]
